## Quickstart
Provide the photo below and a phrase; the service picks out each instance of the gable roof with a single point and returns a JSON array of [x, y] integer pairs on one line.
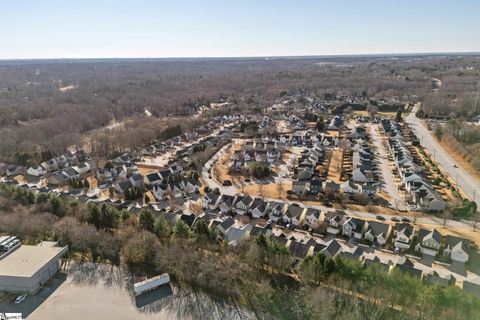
[[298, 249], [378, 228], [294, 211], [154, 176], [405, 228], [227, 223], [332, 248], [425, 234], [313, 212]]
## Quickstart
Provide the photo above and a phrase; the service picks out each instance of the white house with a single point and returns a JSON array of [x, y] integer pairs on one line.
[[353, 227], [275, 210], [243, 205], [457, 249], [226, 203], [313, 216], [403, 235], [428, 242], [335, 221], [211, 201], [36, 171], [259, 208]]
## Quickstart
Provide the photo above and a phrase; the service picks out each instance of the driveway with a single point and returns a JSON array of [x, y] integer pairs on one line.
[[470, 185]]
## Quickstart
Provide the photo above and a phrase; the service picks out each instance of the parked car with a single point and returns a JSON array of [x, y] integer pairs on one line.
[[395, 219], [227, 183], [406, 220], [247, 180], [19, 299], [328, 204], [380, 217]]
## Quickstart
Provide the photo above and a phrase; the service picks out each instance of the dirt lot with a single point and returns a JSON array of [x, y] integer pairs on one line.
[[335, 165]]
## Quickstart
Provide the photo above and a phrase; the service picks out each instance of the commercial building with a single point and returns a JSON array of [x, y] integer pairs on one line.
[[29, 267]]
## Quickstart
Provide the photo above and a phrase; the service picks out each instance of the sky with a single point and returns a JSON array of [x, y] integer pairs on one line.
[[31, 29]]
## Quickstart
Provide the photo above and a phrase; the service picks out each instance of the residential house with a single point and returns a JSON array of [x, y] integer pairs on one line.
[[191, 185], [457, 249], [153, 179], [211, 201], [332, 249], [380, 262], [275, 210], [243, 205], [227, 203], [137, 180], [313, 216], [442, 280], [82, 168], [300, 187], [293, 214], [50, 165], [403, 235], [377, 232], [13, 170], [57, 179], [300, 250], [259, 208], [428, 242], [225, 225], [350, 189], [331, 187], [122, 186], [407, 265], [335, 221], [353, 227], [36, 170], [235, 234], [315, 186]]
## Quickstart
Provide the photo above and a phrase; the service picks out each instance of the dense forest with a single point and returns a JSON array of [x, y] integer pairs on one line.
[[51, 105]]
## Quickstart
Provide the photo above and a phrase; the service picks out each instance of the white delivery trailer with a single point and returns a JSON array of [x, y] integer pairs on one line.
[[150, 284]]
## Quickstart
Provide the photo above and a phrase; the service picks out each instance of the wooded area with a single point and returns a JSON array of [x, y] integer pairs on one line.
[[259, 273], [50, 105]]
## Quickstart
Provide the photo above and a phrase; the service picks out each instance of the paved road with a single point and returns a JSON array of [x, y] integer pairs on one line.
[[469, 185], [389, 185]]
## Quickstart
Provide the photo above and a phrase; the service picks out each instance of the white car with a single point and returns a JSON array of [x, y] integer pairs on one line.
[[19, 299]]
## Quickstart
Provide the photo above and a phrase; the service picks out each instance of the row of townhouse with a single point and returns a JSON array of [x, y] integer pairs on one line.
[[361, 165], [301, 246], [424, 196], [307, 138], [62, 162], [428, 241]]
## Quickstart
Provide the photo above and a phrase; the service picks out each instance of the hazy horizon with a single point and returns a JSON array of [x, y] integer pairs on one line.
[[326, 56]]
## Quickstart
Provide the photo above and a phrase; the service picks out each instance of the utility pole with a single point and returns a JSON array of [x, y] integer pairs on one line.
[[476, 98]]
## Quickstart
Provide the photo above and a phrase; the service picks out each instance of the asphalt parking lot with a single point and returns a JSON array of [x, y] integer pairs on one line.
[[32, 302]]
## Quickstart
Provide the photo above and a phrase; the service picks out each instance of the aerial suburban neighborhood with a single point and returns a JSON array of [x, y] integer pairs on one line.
[[240, 160]]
